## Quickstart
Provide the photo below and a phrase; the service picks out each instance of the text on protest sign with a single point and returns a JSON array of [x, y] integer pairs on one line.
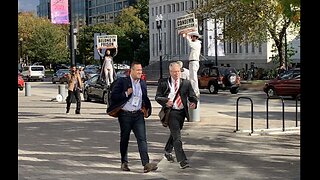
[[107, 41], [187, 23]]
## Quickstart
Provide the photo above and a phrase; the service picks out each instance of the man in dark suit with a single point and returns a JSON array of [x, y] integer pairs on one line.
[[129, 95], [175, 93]]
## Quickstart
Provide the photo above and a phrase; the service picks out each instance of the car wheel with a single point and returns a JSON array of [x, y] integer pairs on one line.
[[234, 90], [86, 96], [105, 98], [21, 88], [271, 92], [213, 89]]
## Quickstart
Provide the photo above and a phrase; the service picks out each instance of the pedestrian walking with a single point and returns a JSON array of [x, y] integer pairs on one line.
[[194, 57], [107, 69], [74, 89], [175, 93], [129, 95]]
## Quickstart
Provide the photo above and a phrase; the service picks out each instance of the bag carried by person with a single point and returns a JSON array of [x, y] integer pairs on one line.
[[165, 111], [164, 116]]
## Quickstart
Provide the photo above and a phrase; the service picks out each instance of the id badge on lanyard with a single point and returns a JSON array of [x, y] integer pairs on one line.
[[136, 95]]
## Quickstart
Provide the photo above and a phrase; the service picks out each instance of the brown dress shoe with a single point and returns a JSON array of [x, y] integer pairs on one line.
[[150, 167], [124, 167]]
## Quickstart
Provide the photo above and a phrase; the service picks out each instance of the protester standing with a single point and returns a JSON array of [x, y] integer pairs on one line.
[[130, 94], [194, 58], [107, 69], [74, 89], [175, 93]]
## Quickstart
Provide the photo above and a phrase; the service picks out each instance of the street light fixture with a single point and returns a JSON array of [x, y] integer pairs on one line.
[[159, 23]]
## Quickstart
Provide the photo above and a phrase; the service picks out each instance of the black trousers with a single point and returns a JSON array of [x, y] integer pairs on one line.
[[76, 95], [176, 121]]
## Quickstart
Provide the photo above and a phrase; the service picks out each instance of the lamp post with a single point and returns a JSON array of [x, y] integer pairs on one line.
[[159, 23], [215, 42], [71, 31]]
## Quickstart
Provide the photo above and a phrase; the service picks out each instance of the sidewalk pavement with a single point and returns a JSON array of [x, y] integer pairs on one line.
[[53, 145]]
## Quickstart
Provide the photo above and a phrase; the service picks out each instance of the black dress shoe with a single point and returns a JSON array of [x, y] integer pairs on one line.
[[77, 112], [150, 167], [184, 164], [169, 157], [124, 167]]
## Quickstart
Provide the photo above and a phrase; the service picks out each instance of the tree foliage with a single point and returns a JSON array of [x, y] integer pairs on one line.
[[42, 41], [254, 21]]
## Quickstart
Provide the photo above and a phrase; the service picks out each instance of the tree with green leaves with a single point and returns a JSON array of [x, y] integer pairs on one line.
[[42, 41], [254, 21]]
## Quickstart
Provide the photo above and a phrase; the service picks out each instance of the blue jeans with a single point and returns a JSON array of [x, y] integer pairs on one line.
[[135, 122]]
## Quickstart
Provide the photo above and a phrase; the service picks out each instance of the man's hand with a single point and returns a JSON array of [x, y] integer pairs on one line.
[[192, 105], [129, 91], [169, 104]]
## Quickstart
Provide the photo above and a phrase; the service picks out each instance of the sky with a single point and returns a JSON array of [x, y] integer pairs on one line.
[[27, 5]]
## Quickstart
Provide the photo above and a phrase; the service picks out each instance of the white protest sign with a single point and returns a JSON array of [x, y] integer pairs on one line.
[[107, 41], [187, 23]]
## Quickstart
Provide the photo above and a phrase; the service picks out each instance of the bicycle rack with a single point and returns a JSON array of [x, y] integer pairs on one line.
[[267, 104], [237, 113]]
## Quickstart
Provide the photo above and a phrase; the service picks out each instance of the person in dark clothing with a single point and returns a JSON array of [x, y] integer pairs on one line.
[[74, 89], [175, 93], [129, 95]]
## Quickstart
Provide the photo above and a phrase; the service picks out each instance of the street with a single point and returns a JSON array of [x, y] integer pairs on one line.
[[54, 145]]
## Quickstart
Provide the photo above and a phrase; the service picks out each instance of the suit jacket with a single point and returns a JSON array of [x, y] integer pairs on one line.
[[186, 92], [71, 81], [119, 98]]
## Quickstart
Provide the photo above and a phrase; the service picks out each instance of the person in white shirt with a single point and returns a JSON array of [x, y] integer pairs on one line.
[[107, 71], [184, 71], [194, 58]]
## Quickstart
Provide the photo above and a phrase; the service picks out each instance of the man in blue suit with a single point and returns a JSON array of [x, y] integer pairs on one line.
[[130, 101]]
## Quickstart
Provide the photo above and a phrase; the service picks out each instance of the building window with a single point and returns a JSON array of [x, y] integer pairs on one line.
[[153, 47], [164, 24], [152, 11], [260, 48], [182, 6], [160, 9], [169, 8], [177, 6], [240, 48], [173, 8], [235, 47], [186, 5], [229, 47], [246, 47], [164, 9], [253, 48]]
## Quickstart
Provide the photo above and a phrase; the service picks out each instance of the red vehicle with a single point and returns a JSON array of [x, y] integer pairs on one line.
[[20, 82], [288, 84]]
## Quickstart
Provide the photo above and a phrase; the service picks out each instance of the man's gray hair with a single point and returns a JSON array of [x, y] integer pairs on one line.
[[173, 64], [180, 63]]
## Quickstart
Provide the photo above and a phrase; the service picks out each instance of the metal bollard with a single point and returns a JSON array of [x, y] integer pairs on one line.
[[195, 113], [62, 91], [27, 89]]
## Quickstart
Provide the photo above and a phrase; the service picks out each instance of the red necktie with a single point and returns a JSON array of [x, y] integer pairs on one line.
[[178, 99]]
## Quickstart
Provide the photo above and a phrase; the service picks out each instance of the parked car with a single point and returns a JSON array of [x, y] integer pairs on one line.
[[288, 84], [20, 82], [33, 72], [60, 76], [95, 89], [214, 78]]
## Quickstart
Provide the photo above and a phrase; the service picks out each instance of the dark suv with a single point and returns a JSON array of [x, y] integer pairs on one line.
[[214, 78]]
